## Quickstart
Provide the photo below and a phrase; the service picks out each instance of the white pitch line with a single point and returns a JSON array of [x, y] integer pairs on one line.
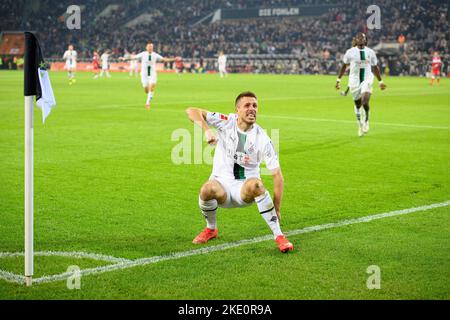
[[12, 277], [399, 92], [353, 122], [71, 254], [419, 126], [177, 255]]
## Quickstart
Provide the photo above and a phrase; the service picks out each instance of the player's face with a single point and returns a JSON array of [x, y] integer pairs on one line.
[[149, 47], [360, 39], [247, 109], [70, 47]]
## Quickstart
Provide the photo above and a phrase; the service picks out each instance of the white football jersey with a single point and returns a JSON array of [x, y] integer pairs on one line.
[[70, 56], [238, 154], [148, 62], [222, 60], [361, 62], [104, 57]]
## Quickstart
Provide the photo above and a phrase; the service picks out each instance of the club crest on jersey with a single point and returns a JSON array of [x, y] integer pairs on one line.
[[223, 117], [242, 158]]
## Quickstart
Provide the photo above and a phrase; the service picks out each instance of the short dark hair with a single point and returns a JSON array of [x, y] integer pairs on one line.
[[244, 94]]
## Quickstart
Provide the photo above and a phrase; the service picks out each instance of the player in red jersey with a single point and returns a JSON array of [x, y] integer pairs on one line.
[[179, 66], [96, 64], [435, 68]]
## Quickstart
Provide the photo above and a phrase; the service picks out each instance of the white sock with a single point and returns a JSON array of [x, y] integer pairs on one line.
[[209, 209], [149, 97], [358, 115], [267, 210]]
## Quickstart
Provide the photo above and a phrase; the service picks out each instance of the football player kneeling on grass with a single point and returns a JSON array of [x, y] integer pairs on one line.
[[241, 146]]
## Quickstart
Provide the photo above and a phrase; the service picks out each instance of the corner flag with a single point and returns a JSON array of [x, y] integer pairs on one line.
[[36, 83], [36, 79]]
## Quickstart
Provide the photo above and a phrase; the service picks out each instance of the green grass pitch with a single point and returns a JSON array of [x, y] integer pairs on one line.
[[105, 183]]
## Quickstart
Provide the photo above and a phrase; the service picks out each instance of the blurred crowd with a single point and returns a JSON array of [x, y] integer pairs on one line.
[[312, 44]]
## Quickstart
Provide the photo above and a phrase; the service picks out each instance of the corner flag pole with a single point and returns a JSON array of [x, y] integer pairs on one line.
[[29, 194], [30, 85], [36, 83]]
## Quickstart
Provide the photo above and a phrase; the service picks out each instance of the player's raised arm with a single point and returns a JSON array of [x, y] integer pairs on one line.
[[198, 116], [131, 57], [170, 59], [127, 59]]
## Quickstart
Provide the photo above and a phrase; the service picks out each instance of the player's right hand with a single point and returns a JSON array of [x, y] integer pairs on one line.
[[210, 137], [382, 86]]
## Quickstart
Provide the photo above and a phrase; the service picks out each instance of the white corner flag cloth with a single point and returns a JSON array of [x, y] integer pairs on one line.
[[47, 100]]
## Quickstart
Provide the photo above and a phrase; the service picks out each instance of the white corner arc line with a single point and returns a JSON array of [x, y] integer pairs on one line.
[[125, 263], [12, 277], [69, 254]]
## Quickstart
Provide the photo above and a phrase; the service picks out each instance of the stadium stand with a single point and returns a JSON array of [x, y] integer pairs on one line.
[[412, 30]]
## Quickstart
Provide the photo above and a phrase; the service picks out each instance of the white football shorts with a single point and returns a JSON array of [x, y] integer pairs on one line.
[[357, 92], [232, 188], [71, 66], [146, 80]]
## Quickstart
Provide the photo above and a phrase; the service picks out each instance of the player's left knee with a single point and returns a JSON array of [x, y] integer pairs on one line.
[[365, 102], [255, 187]]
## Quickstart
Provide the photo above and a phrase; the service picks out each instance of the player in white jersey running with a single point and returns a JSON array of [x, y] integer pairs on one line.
[[105, 64], [363, 66], [241, 146], [70, 56], [222, 62], [148, 59]]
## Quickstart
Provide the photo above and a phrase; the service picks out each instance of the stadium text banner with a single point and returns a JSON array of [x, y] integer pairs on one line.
[[274, 12]]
